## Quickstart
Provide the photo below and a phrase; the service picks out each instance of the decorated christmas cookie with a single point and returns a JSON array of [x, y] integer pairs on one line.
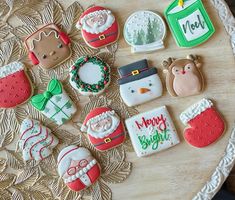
[[78, 168], [205, 124], [15, 85], [99, 27], [139, 83], [48, 47], [189, 22], [36, 141], [104, 128], [90, 75], [145, 31], [152, 131], [183, 76], [54, 103]]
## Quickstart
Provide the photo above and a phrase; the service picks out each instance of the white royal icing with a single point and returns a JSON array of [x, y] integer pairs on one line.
[[11, 69], [152, 131], [36, 141], [195, 110]]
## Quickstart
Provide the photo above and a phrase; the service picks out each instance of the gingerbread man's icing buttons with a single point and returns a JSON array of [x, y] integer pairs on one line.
[[77, 167], [48, 47], [145, 31]]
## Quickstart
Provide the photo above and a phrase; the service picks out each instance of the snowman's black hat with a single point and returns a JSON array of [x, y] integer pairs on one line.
[[135, 71]]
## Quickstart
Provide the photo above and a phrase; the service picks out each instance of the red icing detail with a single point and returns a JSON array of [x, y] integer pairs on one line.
[[40, 151], [32, 137], [65, 38], [15, 89], [33, 58], [93, 173], [205, 128], [32, 125], [66, 154]]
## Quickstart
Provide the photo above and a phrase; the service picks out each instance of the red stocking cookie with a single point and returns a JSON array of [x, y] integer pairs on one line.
[[206, 124], [15, 86], [104, 128]]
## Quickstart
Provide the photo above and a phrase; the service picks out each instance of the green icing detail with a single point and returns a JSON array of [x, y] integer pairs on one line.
[[85, 87], [39, 101]]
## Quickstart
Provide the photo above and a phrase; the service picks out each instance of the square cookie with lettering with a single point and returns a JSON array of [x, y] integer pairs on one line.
[[152, 131]]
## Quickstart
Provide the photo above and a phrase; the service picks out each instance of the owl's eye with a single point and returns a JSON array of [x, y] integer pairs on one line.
[[132, 91], [177, 70], [150, 84], [44, 56], [60, 46]]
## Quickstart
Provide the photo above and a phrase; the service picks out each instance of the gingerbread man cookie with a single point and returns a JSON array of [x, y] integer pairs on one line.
[[78, 168], [15, 85], [205, 124], [48, 46], [104, 128], [99, 27], [36, 141], [183, 76]]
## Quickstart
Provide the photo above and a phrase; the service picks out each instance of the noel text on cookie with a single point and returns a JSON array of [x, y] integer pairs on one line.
[[192, 26]]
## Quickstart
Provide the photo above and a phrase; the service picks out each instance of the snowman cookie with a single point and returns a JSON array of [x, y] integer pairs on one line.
[[48, 47], [145, 31], [36, 141], [205, 124], [77, 167], [104, 128], [183, 76], [152, 131], [54, 103], [90, 75], [139, 83], [99, 27], [15, 85]]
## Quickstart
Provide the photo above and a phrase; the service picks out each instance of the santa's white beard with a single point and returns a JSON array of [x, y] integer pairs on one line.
[[99, 29], [107, 130]]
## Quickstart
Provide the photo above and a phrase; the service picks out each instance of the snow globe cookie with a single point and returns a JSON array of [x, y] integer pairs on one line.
[[54, 103], [99, 27], [183, 76], [48, 47], [189, 22], [139, 83], [77, 167], [90, 75], [204, 124], [36, 141], [145, 31], [104, 128], [15, 85], [152, 131]]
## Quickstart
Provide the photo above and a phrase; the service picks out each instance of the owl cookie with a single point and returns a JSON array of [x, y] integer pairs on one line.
[[139, 83], [15, 85], [48, 46], [104, 128], [90, 75], [36, 141], [77, 167], [99, 27], [183, 76]]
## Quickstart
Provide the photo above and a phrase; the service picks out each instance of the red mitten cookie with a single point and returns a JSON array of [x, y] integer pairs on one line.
[[104, 128], [206, 124], [15, 86]]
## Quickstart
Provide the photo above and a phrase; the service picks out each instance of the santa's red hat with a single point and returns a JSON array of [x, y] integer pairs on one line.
[[97, 113], [92, 10]]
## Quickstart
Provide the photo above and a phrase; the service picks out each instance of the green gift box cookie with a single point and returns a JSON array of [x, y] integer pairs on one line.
[[189, 23], [54, 103]]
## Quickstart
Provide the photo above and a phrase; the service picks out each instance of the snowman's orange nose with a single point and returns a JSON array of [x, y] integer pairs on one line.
[[143, 90]]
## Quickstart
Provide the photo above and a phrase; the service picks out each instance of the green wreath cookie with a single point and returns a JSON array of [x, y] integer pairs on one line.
[[90, 75]]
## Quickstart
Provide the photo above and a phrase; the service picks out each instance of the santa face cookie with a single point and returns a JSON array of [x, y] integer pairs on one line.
[[78, 168], [152, 131], [99, 27], [104, 128], [90, 75], [139, 83], [15, 85], [183, 76], [54, 103], [48, 47], [189, 22], [36, 141], [205, 124], [145, 31]]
